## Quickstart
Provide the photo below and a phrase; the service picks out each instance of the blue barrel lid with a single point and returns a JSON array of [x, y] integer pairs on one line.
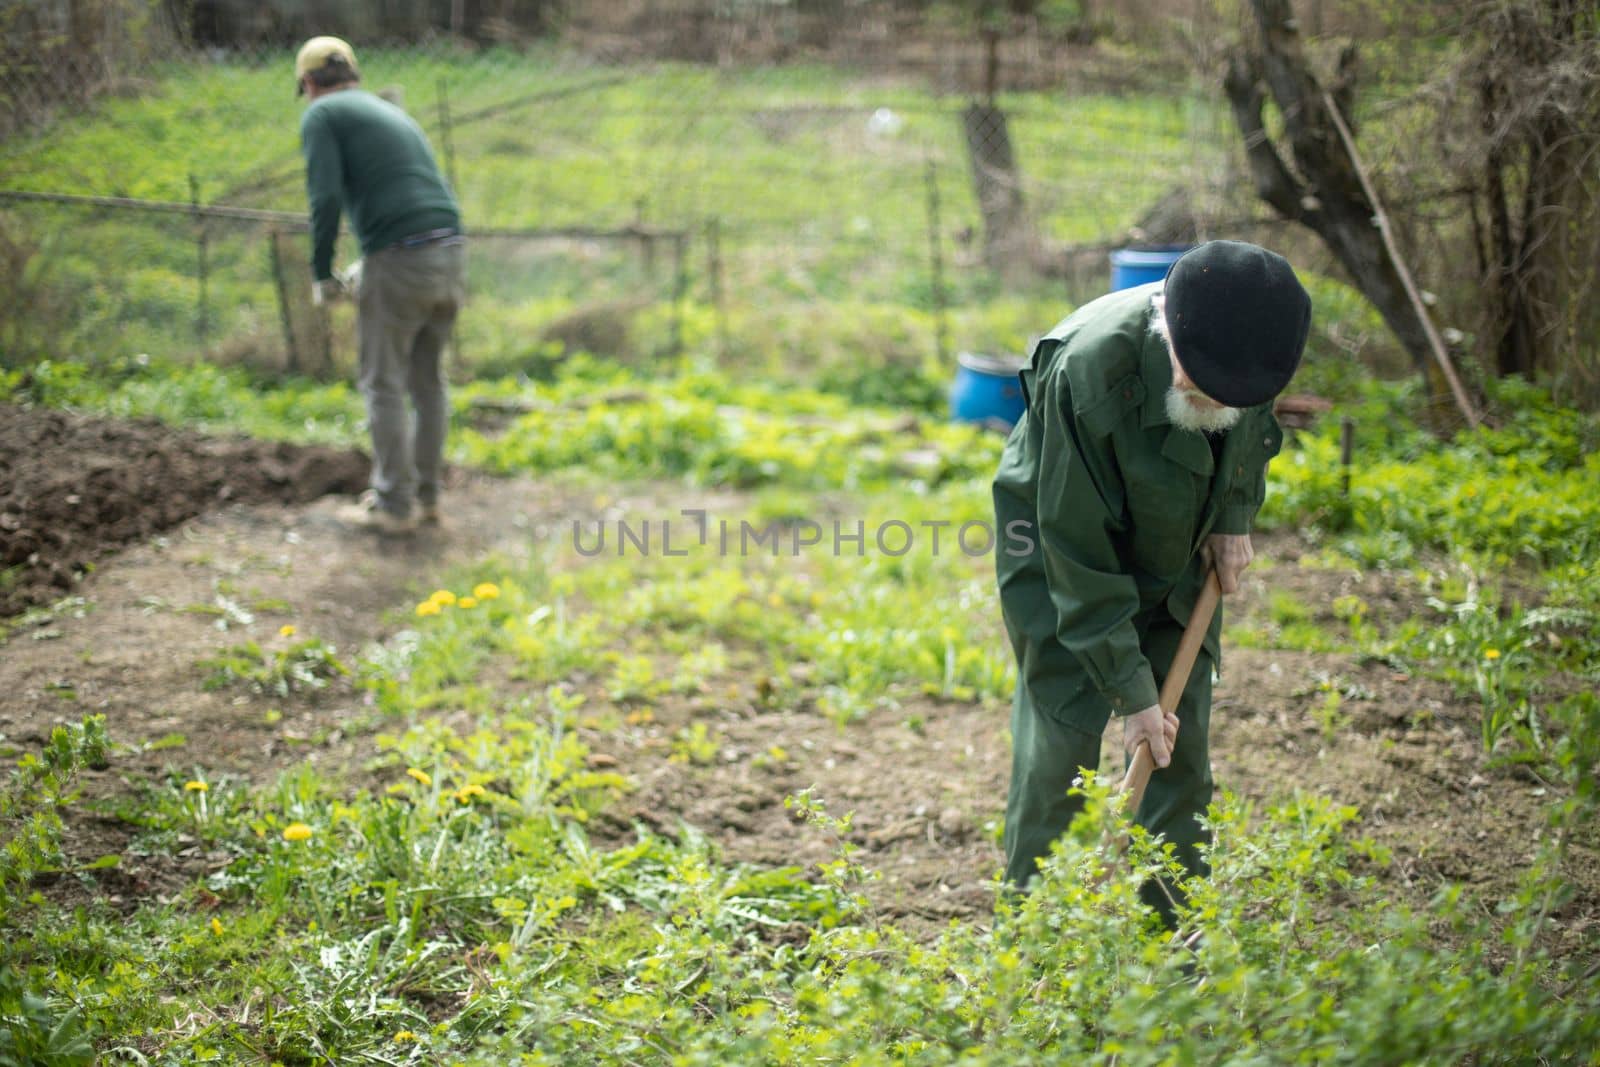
[[1004, 366], [1162, 256]]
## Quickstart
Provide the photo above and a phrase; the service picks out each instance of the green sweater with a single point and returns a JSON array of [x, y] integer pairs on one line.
[[367, 158], [1105, 505]]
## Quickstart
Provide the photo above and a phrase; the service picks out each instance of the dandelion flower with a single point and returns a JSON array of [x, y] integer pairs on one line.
[[443, 597], [287, 630], [195, 787], [427, 607], [467, 792], [403, 1036], [216, 926], [296, 831], [1491, 653], [467, 602], [419, 775], [486, 590]]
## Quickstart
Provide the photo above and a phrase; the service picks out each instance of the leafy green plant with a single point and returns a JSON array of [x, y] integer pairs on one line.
[[695, 744], [305, 665], [32, 1029], [31, 798]]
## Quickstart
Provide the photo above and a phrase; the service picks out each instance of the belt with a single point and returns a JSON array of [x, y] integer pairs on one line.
[[429, 237]]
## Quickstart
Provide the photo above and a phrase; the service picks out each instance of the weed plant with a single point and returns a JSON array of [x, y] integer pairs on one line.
[[458, 907], [464, 915]]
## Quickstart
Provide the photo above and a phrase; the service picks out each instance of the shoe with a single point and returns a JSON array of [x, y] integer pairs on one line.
[[430, 514], [368, 515]]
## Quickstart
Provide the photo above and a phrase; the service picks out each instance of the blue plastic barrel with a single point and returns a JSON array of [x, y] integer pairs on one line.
[[986, 390], [1136, 266]]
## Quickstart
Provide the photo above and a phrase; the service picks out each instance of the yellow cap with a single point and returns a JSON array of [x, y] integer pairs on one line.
[[318, 53]]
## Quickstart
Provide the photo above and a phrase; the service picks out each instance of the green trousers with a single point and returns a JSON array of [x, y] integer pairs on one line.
[[1048, 751]]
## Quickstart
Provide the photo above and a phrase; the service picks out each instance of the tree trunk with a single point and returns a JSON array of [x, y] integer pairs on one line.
[[1323, 191], [1006, 240], [1543, 153]]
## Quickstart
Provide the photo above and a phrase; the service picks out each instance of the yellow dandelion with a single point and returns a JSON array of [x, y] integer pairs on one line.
[[443, 597], [401, 1037], [427, 607], [467, 602], [486, 590], [216, 926], [195, 787], [296, 831], [287, 630], [467, 792], [419, 775], [1491, 653]]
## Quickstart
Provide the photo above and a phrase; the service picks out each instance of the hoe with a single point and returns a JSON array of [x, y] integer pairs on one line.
[[1142, 764]]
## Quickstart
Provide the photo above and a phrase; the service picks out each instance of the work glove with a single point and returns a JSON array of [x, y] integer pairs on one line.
[[327, 290], [1230, 554], [1158, 727], [351, 277]]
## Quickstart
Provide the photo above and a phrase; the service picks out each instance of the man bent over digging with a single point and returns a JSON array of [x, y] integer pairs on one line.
[[367, 159], [1139, 465]]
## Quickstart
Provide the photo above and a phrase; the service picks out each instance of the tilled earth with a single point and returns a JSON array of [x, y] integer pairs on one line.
[[925, 782], [73, 488]]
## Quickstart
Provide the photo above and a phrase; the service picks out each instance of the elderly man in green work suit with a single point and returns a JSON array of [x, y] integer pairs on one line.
[[1139, 464]]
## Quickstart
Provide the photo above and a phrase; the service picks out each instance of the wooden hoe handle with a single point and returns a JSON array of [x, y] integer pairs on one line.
[[1143, 763]]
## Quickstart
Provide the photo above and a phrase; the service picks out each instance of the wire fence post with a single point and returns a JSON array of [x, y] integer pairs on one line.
[[1347, 448], [447, 146], [941, 327], [680, 288], [445, 143], [202, 309], [275, 256], [719, 306], [647, 244]]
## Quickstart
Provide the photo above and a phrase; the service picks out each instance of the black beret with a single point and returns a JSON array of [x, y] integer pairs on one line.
[[1238, 319]]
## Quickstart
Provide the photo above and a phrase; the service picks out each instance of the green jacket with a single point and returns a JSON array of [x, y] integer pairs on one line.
[[1103, 505], [368, 158]]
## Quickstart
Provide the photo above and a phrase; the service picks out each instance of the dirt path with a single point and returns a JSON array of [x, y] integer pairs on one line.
[[926, 783]]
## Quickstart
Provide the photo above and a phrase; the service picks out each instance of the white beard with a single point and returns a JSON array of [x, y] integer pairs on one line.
[[1185, 414]]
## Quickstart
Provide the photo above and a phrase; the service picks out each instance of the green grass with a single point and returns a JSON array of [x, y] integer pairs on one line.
[[460, 911], [457, 909], [759, 148], [813, 208]]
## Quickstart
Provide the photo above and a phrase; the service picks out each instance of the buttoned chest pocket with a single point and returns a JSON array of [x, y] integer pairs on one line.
[[1165, 502], [1248, 479]]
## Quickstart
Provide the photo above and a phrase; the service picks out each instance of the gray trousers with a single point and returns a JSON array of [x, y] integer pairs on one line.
[[407, 305]]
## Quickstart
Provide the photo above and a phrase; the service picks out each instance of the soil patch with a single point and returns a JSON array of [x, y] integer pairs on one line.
[[926, 781], [73, 487]]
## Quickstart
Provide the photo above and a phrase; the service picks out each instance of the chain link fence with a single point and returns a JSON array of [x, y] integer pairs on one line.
[[837, 190]]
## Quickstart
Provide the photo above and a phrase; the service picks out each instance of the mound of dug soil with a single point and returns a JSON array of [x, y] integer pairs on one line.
[[73, 487]]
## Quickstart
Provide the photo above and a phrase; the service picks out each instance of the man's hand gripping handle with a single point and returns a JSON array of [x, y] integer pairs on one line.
[[1160, 723]]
